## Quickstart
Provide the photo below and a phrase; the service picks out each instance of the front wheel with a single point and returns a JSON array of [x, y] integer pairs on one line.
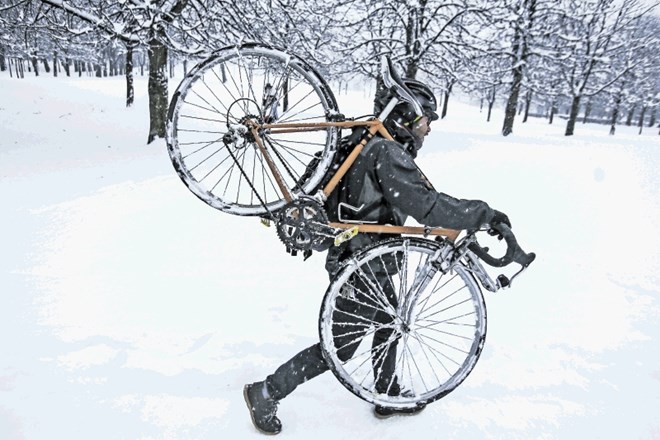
[[396, 330], [212, 148]]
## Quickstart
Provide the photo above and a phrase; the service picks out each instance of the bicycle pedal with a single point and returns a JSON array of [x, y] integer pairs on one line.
[[346, 235], [265, 222]]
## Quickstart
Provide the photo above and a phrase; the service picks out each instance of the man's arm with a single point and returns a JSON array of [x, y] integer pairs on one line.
[[403, 187]]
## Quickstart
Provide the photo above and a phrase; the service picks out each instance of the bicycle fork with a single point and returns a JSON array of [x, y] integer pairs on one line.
[[423, 276]]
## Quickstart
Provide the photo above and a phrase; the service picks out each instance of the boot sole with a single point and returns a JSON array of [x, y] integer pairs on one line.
[[398, 413], [249, 405]]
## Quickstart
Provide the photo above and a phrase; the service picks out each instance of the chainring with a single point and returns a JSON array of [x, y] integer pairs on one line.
[[303, 225]]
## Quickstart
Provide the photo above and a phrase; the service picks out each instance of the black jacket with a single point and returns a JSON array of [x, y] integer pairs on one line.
[[385, 187]]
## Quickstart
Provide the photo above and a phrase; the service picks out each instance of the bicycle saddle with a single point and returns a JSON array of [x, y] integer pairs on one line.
[[396, 85]]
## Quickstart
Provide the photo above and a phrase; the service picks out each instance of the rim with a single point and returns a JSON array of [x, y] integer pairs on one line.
[[438, 328], [216, 94]]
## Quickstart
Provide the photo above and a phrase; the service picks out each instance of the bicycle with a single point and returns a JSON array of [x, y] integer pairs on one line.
[[253, 131]]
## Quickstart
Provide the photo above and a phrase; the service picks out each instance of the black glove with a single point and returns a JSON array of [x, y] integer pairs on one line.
[[500, 217]]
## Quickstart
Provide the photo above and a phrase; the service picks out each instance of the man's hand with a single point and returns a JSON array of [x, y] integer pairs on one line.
[[500, 217]]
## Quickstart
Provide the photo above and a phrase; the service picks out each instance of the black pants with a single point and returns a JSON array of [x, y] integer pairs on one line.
[[356, 314]]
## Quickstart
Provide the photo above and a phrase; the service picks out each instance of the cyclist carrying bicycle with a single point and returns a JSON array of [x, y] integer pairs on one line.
[[383, 186]]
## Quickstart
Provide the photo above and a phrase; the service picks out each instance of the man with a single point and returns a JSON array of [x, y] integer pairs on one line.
[[383, 186]]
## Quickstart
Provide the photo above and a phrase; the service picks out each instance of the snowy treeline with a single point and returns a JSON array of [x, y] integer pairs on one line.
[[595, 58]]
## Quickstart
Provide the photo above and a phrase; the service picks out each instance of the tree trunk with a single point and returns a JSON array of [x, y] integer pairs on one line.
[[67, 66], [652, 119], [55, 63], [615, 114], [512, 102], [491, 101], [130, 92], [631, 113], [641, 119], [35, 65], [553, 110], [185, 67], [3, 62], [587, 111], [528, 103], [46, 65], [157, 89], [572, 117], [445, 101], [520, 49]]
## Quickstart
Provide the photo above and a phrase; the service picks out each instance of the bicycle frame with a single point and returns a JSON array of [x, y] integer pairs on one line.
[[375, 126]]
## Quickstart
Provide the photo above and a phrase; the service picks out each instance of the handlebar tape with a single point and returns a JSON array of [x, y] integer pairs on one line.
[[514, 252]]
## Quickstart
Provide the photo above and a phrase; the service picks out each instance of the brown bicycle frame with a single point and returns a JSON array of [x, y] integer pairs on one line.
[[374, 126]]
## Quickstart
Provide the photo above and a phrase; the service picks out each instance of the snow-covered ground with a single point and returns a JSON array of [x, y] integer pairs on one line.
[[131, 310]]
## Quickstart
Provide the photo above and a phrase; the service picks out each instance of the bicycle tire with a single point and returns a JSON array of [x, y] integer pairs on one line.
[[443, 340], [240, 82]]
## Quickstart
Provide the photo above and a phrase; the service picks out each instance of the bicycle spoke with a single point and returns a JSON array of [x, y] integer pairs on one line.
[[437, 303], [291, 141], [436, 357], [432, 328], [361, 318], [229, 170], [287, 166], [288, 150], [380, 295], [265, 174], [207, 158], [238, 89], [380, 359], [365, 333], [355, 357], [425, 317], [204, 99], [212, 110], [371, 306], [202, 148], [426, 356], [443, 343], [198, 118], [248, 76], [288, 118], [189, 130], [419, 372], [433, 349], [214, 95], [449, 320]]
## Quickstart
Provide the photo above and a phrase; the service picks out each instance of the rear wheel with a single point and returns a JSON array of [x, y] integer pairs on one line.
[[213, 151], [396, 330]]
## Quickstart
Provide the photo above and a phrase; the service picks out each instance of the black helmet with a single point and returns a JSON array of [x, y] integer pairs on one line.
[[398, 123], [404, 112]]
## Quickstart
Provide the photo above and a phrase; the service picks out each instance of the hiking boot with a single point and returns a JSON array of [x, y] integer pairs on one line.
[[395, 389], [384, 412], [262, 408]]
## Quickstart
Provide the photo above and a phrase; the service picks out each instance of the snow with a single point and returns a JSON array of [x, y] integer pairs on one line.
[[132, 310]]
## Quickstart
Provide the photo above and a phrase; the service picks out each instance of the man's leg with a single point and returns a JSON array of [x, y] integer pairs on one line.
[[304, 366], [384, 345], [262, 397]]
